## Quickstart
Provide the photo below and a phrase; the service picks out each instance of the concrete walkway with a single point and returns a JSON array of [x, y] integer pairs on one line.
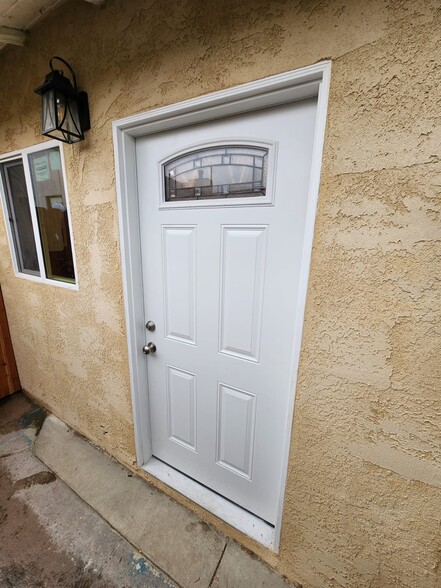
[[49, 537], [112, 525]]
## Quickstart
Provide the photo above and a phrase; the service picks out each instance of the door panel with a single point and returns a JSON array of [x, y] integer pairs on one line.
[[181, 407], [179, 274], [220, 272], [235, 427], [242, 282]]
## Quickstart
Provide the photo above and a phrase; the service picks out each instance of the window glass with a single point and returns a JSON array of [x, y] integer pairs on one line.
[[50, 201], [220, 172], [19, 214]]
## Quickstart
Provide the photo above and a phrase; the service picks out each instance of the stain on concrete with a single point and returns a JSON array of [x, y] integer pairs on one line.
[[11, 412], [34, 419], [139, 565], [39, 478]]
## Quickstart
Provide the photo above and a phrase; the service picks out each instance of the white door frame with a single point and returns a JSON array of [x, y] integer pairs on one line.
[[307, 82]]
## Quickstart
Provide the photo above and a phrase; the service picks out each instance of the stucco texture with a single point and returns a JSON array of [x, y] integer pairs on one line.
[[363, 498]]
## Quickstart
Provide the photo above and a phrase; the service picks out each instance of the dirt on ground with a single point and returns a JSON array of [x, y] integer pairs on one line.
[[28, 557]]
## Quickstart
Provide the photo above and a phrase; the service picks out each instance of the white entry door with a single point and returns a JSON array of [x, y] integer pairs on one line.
[[222, 210]]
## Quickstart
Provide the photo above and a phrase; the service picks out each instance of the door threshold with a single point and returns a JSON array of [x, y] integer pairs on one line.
[[231, 513]]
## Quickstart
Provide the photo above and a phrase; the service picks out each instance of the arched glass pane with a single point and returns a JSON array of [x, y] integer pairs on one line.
[[217, 172]]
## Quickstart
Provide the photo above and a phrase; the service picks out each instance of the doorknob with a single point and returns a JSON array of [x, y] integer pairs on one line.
[[149, 348]]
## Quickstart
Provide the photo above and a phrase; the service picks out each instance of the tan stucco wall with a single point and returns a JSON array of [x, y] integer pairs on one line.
[[363, 500]]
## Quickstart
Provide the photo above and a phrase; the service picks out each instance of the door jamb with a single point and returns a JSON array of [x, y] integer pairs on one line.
[[291, 86]]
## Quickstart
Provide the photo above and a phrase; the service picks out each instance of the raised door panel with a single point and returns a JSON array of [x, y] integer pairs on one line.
[[235, 430], [181, 407], [179, 268], [242, 284]]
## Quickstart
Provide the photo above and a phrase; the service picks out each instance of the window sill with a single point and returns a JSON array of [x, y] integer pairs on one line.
[[47, 281]]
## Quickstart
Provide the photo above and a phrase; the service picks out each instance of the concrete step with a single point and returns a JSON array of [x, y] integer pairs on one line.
[[192, 553]]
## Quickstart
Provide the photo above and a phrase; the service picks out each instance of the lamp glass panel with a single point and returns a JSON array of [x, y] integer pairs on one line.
[[58, 135], [60, 104], [48, 111], [72, 122]]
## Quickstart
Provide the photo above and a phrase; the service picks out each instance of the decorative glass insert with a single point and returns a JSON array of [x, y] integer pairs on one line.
[[237, 171]]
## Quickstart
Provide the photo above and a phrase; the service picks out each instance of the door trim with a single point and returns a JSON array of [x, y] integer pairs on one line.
[[307, 82]]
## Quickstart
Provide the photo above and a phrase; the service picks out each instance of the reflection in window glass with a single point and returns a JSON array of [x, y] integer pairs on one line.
[[20, 217], [220, 172], [48, 187]]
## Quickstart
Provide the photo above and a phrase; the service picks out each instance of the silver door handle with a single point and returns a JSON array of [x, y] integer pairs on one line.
[[149, 348]]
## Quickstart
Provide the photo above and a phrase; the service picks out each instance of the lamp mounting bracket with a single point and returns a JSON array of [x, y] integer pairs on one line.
[[74, 79]]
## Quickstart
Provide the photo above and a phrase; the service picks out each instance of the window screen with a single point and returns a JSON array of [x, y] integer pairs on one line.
[[19, 214]]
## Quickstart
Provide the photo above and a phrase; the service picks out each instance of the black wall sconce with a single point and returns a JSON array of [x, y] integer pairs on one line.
[[64, 110]]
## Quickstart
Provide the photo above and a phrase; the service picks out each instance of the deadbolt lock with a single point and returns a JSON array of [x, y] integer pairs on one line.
[[150, 326]]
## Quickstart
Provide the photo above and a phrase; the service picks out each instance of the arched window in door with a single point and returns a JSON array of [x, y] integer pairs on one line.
[[235, 171]]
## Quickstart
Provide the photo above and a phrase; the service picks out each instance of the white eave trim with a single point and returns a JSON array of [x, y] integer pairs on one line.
[[13, 36]]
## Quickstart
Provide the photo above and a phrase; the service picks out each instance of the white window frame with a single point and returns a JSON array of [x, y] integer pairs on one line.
[[23, 154]]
